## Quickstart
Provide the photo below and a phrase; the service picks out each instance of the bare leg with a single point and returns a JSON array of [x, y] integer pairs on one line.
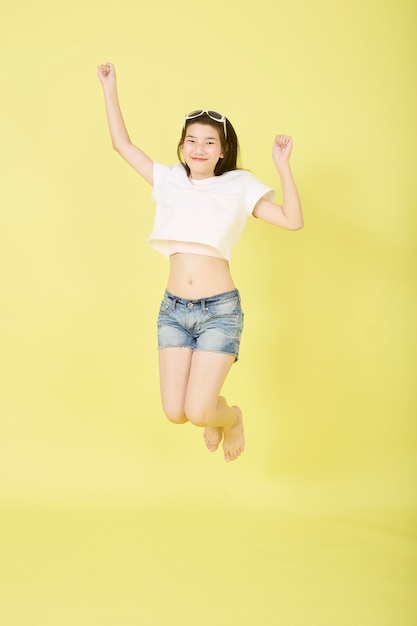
[[190, 388], [205, 408], [174, 370]]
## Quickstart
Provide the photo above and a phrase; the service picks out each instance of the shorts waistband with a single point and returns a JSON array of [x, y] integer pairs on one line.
[[227, 295]]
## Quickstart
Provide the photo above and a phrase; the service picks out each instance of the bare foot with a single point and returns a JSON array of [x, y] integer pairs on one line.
[[212, 437], [234, 440]]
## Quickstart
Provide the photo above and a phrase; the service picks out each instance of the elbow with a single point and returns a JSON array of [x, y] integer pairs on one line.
[[298, 225], [293, 217], [119, 146]]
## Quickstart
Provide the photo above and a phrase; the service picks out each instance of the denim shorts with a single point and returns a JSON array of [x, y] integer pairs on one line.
[[212, 324]]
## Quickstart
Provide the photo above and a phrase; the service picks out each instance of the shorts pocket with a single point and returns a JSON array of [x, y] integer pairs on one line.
[[165, 307], [224, 308]]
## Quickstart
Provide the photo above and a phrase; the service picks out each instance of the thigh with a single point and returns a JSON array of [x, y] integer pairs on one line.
[[207, 374], [174, 371]]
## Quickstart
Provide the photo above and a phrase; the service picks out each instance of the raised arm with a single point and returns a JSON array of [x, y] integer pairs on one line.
[[118, 132], [289, 215]]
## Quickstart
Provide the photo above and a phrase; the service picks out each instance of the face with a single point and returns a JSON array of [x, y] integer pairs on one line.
[[201, 150]]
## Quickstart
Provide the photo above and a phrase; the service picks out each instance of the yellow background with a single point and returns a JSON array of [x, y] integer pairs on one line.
[[109, 514]]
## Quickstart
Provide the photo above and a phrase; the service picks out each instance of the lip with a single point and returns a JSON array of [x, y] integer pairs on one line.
[[199, 160]]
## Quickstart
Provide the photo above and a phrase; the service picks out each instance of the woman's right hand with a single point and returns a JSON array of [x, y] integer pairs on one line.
[[107, 74]]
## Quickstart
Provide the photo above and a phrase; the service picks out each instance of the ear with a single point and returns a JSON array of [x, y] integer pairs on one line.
[[224, 152]]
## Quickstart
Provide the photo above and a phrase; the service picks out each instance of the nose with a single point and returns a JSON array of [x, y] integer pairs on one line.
[[199, 148]]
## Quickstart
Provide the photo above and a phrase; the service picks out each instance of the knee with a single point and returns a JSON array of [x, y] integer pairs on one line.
[[177, 418], [175, 415], [198, 415]]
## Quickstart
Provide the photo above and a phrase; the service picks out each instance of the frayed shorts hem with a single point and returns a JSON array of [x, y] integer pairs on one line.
[[201, 350]]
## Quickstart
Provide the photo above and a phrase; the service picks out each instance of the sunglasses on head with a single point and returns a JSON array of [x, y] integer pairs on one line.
[[213, 115]]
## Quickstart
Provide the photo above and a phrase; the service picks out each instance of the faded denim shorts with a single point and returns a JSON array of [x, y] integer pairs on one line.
[[211, 324]]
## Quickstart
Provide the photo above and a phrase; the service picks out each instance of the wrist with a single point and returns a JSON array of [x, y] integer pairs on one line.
[[109, 87], [283, 167]]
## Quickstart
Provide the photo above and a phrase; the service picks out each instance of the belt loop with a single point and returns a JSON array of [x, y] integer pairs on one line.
[[203, 304], [174, 303]]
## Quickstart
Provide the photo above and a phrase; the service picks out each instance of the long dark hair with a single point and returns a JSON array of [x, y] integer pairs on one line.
[[230, 145]]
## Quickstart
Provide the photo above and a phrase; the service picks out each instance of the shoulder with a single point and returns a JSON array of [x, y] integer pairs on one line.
[[246, 181], [172, 171], [164, 175], [240, 177], [233, 179]]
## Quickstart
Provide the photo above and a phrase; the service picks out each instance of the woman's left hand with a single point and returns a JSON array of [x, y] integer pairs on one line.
[[282, 149]]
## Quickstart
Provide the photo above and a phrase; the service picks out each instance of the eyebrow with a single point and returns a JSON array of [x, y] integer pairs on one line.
[[194, 137]]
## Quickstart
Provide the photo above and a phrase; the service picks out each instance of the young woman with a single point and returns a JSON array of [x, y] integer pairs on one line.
[[202, 204]]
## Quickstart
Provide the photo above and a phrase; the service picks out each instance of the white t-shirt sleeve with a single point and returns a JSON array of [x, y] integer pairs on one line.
[[254, 191], [160, 173]]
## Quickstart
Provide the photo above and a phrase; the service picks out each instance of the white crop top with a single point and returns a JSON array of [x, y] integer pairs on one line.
[[189, 247], [212, 211]]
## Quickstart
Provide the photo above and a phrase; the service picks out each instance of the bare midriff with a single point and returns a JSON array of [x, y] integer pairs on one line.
[[193, 276]]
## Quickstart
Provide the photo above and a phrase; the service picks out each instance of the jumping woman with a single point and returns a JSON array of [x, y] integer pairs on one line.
[[202, 205]]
